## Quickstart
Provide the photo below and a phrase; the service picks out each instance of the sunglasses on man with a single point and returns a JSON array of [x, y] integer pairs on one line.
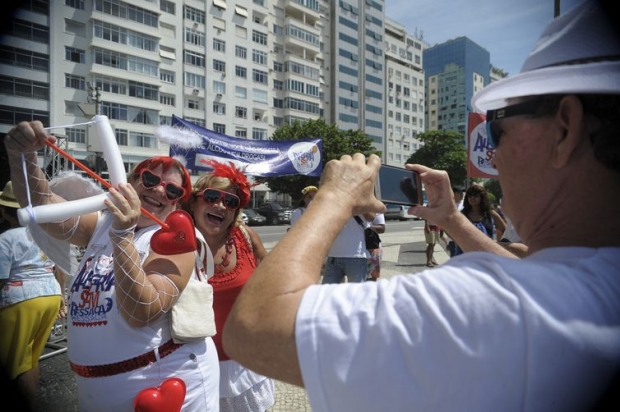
[[212, 196], [494, 131], [151, 180]]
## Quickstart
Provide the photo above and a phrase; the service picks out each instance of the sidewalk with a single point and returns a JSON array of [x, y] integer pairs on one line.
[[402, 253]]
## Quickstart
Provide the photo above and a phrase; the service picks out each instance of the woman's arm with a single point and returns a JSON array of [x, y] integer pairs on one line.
[[257, 244], [144, 292], [25, 139]]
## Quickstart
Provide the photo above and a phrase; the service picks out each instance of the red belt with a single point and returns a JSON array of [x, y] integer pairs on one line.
[[99, 371]]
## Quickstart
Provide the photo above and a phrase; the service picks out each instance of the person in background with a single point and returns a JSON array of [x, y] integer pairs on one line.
[[30, 300], [477, 208], [307, 194], [458, 201], [119, 327], [348, 256], [374, 261], [431, 235], [511, 241], [484, 331], [216, 203]]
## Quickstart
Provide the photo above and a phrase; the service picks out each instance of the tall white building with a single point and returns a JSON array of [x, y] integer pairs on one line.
[[405, 93], [240, 68]]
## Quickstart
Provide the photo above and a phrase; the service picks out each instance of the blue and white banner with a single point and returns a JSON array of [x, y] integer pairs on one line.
[[265, 158]]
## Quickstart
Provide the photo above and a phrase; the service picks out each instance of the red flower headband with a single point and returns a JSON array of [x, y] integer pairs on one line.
[[237, 179]]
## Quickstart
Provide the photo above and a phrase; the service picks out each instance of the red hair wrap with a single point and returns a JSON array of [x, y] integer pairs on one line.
[[237, 179]]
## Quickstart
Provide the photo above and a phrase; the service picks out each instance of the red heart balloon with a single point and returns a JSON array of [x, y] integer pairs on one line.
[[167, 397], [178, 237]]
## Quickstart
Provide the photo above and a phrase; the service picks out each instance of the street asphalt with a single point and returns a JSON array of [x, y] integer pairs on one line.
[[403, 252]]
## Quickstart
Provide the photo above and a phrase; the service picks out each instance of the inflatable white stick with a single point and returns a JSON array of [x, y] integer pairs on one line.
[[65, 210]]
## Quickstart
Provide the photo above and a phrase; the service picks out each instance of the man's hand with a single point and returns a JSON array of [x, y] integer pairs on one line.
[[352, 181]]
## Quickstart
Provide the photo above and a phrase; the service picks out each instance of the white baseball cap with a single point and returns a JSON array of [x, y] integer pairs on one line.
[[578, 52]]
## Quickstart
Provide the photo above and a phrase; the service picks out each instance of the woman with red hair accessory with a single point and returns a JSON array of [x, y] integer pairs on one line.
[[216, 204], [119, 327]]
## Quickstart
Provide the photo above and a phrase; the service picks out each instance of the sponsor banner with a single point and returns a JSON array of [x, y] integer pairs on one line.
[[264, 158], [479, 150]]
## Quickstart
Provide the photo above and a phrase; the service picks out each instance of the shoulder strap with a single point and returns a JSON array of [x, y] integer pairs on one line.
[[358, 220]]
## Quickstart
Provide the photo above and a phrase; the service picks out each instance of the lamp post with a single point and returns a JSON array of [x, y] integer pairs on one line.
[[94, 96]]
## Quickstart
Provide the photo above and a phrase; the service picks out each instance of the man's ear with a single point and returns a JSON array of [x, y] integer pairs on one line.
[[570, 118]]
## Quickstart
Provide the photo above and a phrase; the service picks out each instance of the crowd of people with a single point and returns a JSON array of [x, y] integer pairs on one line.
[[534, 328]]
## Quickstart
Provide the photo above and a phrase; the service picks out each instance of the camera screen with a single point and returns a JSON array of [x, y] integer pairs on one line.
[[399, 186]]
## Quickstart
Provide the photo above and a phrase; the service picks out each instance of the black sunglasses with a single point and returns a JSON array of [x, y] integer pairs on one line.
[[230, 201], [150, 180], [494, 131]]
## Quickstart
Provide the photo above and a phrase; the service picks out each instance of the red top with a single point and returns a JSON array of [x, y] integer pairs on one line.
[[227, 286]]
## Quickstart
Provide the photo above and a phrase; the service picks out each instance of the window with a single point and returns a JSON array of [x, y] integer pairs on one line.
[[195, 59], [241, 132], [241, 92], [166, 99], [241, 52], [219, 65], [75, 82], [219, 108], [192, 104], [259, 134], [194, 36], [76, 4], [195, 120], [259, 95], [241, 112], [241, 72], [259, 76], [219, 45], [278, 103], [258, 37], [167, 7], [194, 80], [219, 128], [166, 76], [143, 91], [278, 84], [219, 87], [75, 135], [194, 15], [259, 57], [75, 55]]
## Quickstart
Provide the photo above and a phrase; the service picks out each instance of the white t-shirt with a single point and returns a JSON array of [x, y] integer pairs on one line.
[[479, 333], [350, 241]]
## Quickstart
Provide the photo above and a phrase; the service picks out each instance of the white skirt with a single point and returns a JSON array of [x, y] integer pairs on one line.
[[242, 390]]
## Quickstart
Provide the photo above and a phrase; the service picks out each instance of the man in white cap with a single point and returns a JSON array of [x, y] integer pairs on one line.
[[484, 331]]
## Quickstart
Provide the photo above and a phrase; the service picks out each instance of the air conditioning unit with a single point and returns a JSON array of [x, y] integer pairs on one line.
[[219, 95], [196, 91], [223, 75]]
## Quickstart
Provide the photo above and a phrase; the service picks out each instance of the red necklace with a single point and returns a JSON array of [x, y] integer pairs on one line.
[[219, 267]]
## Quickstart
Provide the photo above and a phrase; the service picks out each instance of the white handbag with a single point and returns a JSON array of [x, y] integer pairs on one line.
[[192, 317]]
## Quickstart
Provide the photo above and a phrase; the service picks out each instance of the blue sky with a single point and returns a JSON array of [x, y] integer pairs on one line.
[[508, 29]]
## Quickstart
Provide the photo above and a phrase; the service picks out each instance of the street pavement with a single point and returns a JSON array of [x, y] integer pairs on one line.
[[403, 252]]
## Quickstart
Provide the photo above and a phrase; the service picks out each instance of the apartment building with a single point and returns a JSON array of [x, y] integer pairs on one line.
[[404, 113], [240, 68]]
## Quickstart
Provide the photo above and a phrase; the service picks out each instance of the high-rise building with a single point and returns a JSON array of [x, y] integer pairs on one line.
[[455, 70], [404, 105], [240, 68]]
